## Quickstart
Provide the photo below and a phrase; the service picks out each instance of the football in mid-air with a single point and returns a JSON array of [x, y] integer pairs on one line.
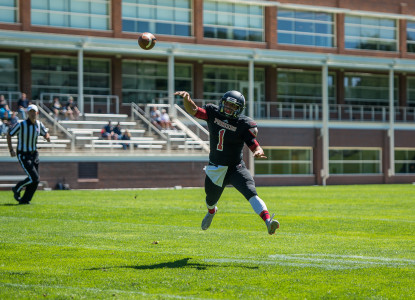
[[146, 40]]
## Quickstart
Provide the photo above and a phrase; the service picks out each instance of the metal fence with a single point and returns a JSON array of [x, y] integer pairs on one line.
[[107, 102]]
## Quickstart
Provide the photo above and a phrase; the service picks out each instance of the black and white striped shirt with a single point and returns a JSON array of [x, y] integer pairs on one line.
[[27, 134]]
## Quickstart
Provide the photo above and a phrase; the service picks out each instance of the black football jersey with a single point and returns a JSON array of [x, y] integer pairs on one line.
[[227, 136]]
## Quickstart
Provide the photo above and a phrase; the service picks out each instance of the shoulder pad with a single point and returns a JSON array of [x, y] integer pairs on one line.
[[248, 122]]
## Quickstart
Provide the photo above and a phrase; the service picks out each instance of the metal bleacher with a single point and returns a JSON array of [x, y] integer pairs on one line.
[[87, 133], [83, 135]]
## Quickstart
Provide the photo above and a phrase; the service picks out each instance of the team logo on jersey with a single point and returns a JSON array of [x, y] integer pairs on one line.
[[224, 125]]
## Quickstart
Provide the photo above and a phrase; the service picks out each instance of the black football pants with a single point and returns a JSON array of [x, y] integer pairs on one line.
[[30, 164], [238, 176]]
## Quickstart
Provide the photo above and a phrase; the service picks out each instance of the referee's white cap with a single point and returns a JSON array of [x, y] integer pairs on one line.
[[32, 107]]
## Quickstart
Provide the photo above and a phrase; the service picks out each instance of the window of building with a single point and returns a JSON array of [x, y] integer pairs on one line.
[[355, 161], [60, 75], [86, 14], [170, 17], [405, 161], [410, 36], [144, 81], [370, 33], [87, 170], [303, 86], [306, 28], [233, 21], [410, 91], [97, 77], [217, 80], [368, 89], [285, 161], [8, 11], [9, 73]]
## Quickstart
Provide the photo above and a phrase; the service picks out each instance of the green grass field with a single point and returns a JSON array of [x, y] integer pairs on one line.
[[346, 242]]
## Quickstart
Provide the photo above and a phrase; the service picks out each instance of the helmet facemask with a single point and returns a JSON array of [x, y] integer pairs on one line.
[[230, 107]]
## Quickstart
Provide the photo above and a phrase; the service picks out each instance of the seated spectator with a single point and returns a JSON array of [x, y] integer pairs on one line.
[[165, 120], [117, 131], [125, 137], [5, 112], [71, 110], [3, 128], [155, 117], [107, 132], [57, 108], [22, 105], [13, 120]]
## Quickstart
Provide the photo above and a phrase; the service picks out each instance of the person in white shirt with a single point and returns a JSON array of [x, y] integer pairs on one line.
[[165, 120]]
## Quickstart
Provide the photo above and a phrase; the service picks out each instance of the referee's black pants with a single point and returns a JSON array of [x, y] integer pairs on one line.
[[30, 164]]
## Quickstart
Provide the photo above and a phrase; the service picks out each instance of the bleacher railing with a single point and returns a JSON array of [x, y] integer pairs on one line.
[[312, 111], [199, 136], [337, 112], [11, 97], [93, 100], [141, 114], [47, 113]]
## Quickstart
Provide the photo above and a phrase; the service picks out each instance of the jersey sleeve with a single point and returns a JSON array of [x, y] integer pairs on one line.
[[205, 112], [201, 113], [15, 129], [249, 134]]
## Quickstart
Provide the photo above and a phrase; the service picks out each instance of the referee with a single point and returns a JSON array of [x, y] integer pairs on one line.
[[27, 133]]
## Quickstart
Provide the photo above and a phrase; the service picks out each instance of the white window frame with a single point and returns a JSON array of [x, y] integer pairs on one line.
[[404, 161], [16, 12], [293, 32], [357, 161], [311, 161], [232, 27], [153, 21], [49, 12], [360, 38]]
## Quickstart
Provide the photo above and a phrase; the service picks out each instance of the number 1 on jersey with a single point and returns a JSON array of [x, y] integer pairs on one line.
[[220, 143]]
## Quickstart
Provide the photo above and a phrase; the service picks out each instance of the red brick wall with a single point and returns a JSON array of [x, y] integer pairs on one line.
[[117, 174], [152, 174]]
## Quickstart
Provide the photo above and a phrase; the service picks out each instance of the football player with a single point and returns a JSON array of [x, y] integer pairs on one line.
[[229, 130]]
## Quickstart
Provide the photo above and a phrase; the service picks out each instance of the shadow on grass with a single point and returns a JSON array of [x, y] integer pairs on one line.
[[10, 204], [181, 263]]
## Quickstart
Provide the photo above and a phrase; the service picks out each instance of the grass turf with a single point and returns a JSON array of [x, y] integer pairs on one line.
[[340, 242]]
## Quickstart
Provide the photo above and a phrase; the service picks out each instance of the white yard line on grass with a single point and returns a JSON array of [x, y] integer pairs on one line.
[[403, 260], [336, 262]]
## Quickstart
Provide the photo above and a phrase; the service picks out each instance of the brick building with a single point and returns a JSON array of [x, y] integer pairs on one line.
[[330, 82]]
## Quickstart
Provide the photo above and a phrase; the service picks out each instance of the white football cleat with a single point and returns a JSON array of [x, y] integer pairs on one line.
[[207, 220], [272, 225]]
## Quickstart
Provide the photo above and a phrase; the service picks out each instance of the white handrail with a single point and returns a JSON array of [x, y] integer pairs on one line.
[[136, 111], [10, 97], [92, 99], [191, 119], [189, 132], [341, 112], [55, 123]]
